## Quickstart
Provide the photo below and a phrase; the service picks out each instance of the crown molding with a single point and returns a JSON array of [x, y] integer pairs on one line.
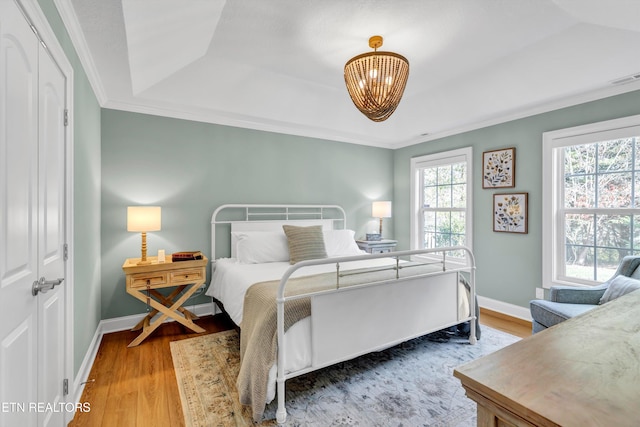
[[546, 107], [72, 25]]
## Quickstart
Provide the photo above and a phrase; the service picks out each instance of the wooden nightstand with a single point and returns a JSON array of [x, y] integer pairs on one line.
[[377, 246], [143, 280]]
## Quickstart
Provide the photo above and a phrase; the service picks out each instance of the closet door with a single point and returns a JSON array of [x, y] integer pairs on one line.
[[18, 216], [32, 218], [51, 237]]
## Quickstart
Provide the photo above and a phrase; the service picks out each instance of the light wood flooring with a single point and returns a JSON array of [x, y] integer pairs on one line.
[[137, 386]]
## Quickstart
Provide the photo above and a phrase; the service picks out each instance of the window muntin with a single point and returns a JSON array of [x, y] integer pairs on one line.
[[591, 213], [599, 180], [441, 201]]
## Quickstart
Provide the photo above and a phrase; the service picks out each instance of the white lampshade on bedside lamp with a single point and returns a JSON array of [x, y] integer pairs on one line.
[[143, 219], [381, 210]]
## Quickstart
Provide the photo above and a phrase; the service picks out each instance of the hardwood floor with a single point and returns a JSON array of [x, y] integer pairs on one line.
[[511, 325], [137, 386]]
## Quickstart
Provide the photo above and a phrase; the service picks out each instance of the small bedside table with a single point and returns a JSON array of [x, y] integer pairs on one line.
[[143, 280], [377, 246]]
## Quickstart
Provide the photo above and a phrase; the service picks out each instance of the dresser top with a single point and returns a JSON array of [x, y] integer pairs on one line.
[[131, 264]]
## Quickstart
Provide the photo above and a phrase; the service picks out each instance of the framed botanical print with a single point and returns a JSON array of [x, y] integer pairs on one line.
[[510, 212], [499, 168]]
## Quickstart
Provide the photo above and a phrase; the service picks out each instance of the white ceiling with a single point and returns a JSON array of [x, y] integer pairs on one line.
[[277, 65]]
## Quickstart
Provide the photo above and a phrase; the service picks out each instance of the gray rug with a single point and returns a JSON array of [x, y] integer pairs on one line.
[[408, 385]]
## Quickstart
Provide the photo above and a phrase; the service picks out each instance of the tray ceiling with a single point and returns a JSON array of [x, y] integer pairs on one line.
[[277, 65]]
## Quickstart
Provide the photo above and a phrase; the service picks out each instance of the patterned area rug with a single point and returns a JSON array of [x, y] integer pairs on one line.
[[411, 384]]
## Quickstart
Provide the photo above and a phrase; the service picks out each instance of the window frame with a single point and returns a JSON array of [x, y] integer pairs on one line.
[[553, 238], [417, 194]]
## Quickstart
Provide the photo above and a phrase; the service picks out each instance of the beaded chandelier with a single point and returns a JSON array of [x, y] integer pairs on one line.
[[376, 81]]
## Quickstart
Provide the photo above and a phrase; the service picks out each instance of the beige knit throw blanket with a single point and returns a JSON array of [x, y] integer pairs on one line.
[[258, 337]]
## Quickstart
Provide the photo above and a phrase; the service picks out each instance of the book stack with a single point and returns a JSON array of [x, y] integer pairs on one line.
[[186, 256]]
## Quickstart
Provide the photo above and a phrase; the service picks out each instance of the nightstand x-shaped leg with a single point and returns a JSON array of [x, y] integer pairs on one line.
[[169, 308], [167, 301]]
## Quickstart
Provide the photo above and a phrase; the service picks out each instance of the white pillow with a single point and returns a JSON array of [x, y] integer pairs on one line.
[[256, 247], [341, 243], [619, 286]]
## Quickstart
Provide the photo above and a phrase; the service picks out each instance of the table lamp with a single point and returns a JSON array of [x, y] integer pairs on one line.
[[142, 219], [381, 210]]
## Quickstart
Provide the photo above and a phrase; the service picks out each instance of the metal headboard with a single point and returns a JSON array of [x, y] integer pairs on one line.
[[227, 215]]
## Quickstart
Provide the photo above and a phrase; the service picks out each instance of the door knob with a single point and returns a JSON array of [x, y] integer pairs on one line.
[[44, 285]]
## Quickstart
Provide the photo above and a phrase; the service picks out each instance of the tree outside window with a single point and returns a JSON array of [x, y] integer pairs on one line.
[[441, 200], [600, 210]]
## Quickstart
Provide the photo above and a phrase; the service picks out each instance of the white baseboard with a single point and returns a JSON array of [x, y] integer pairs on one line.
[[115, 325], [505, 308], [87, 363]]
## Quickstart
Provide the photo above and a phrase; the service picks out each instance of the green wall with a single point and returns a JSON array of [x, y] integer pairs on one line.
[[190, 168], [86, 209], [509, 266]]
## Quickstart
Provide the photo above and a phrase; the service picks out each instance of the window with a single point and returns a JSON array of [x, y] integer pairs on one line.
[[441, 200], [591, 201]]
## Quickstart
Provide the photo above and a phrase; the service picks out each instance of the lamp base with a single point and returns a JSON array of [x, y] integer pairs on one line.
[[143, 258]]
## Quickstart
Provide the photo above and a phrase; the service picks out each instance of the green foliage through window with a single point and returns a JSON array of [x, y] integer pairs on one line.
[[444, 192], [601, 210]]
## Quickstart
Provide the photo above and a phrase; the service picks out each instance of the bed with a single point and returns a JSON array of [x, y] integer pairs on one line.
[[303, 305]]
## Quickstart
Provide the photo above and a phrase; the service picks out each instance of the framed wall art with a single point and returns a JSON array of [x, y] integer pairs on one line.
[[510, 212], [499, 168]]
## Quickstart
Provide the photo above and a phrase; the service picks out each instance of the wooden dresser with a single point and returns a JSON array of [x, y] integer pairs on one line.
[[582, 372]]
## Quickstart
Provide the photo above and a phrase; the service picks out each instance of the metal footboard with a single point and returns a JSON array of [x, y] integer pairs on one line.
[[412, 283]]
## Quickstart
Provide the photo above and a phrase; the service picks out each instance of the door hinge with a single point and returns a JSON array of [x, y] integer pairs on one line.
[[65, 251], [65, 387], [66, 117]]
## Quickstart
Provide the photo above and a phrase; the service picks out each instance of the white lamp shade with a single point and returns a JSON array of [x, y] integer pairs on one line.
[[381, 209], [144, 218]]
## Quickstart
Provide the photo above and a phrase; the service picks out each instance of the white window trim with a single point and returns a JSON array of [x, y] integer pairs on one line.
[[444, 157], [552, 142]]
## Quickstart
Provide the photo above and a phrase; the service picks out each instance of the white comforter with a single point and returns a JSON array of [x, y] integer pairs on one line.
[[231, 279]]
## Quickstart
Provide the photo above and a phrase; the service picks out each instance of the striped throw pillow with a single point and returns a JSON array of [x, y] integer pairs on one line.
[[305, 242]]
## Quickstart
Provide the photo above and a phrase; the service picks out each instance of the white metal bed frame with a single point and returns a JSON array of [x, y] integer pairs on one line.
[[332, 309]]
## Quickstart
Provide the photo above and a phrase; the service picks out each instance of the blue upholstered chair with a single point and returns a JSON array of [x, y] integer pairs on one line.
[[569, 301]]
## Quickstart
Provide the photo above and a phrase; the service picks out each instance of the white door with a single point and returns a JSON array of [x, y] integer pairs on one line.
[[32, 177], [19, 201], [51, 238]]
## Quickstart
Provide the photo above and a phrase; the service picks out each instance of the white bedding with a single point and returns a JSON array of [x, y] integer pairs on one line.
[[230, 282], [231, 279]]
